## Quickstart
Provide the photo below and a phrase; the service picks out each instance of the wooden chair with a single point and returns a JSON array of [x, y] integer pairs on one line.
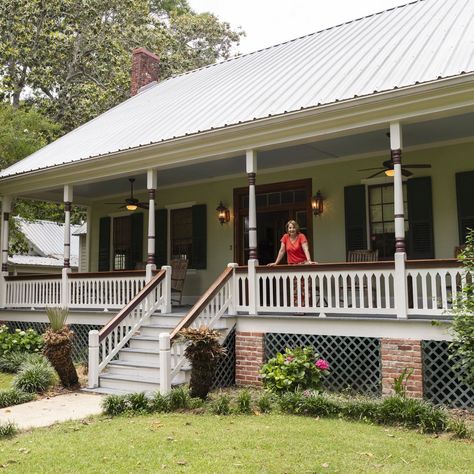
[[458, 249], [362, 255], [178, 275]]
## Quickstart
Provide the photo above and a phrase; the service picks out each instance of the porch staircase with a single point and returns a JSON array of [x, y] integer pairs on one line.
[[137, 367]]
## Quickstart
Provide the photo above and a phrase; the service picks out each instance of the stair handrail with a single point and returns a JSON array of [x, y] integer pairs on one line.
[[109, 340], [220, 296]]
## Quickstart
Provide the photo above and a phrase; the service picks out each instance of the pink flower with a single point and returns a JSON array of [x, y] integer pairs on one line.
[[289, 359], [322, 364]]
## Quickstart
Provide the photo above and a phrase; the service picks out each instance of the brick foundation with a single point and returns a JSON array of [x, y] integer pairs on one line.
[[249, 357], [398, 354]]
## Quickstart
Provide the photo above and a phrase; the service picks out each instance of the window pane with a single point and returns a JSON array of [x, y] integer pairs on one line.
[[287, 197], [261, 200], [274, 199], [388, 214], [375, 213], [377, 229], [375, 195], [181, 233], [300, 195], [389, 227], [387, 193]]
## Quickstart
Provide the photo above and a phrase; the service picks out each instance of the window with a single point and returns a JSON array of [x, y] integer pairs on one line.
[[181, 233], [381, 218]]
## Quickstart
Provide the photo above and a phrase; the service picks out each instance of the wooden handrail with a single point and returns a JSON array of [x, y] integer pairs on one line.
[[116, 273], [202, 302], [433, 263], [131, 305], [40, 276]]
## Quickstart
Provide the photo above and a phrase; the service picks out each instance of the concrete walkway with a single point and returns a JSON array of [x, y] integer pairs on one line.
[[46, 412]]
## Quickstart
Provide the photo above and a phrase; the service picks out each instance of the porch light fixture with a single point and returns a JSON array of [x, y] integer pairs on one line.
[[390, 172], [223, 214], [131, 207], [317, 203]]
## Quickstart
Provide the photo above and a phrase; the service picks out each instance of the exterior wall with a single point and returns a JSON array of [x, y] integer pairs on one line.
[[249, 357], [331, 178]]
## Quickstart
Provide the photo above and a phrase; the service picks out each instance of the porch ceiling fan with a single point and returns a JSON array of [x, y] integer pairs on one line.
[[387, 168], [131, 203]]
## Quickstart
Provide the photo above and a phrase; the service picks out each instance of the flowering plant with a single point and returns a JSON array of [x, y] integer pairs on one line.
[[297, 369], [19, 341]]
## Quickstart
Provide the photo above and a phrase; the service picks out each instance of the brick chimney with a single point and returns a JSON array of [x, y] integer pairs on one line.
[[145, 69]]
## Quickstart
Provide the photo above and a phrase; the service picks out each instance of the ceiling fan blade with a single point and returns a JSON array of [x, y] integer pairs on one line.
[[371, 169], [416, 166], [113, 203], [406, 173], [143, 205], [375, 174]]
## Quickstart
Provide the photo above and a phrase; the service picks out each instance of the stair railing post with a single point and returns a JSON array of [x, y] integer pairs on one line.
[[65, 287], [149, 302], [166, 290], [253, 285], [165, 363], [93, 371], [233, 290]]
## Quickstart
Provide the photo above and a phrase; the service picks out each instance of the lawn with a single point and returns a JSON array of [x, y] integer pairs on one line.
[[245, 444], [6, 380]]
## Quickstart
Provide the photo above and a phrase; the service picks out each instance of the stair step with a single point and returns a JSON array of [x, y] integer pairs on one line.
[[132, 384]]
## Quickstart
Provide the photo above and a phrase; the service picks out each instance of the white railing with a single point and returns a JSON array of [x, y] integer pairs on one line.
[[214, 304], [108, 291], [33, 291], [106, 344], [357, 288], [432, 287]]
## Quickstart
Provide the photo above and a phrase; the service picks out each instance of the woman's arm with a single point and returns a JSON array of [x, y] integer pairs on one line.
[[306, 252], [281, 254]]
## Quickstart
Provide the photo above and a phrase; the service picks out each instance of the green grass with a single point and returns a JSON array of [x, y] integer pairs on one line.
[[6, 380], [241, 444]]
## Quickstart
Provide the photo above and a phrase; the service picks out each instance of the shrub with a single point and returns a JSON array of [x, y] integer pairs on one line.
[[296, 369], [19, 341], [114, 405], [7, 429], [361, 408], [221, 406], [244, 402], [159, 403], [137, 403], [179, 398], [265, 403], [12, 361], [13, 396], [309, 403], [35, 377]]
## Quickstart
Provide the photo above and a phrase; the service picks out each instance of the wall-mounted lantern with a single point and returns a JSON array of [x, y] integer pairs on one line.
[[317, 203], [223, 214]]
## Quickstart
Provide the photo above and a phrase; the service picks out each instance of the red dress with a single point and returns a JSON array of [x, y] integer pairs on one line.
[[294, 250]]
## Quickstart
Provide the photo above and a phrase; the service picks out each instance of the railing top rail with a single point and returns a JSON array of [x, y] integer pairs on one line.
[[114, 274], [39, 276], [202, 302], [320, 267], [131, 305], [434, 263]]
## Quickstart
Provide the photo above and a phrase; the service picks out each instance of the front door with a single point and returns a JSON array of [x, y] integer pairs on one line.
[[276, 204]]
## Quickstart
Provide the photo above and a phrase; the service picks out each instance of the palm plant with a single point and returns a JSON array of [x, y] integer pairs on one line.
[[204, 352], [58, 346]]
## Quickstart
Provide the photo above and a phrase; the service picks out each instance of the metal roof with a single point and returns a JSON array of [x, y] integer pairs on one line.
[[47, 238], [35, 260], [419, 42]]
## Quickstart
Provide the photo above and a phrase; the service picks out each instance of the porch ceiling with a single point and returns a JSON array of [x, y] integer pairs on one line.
[[360, 144]]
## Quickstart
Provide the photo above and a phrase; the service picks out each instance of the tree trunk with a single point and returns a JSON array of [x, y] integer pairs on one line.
[[59, 355], [202, 375]]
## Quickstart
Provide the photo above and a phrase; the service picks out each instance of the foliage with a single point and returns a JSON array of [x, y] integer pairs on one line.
[[221, 406], [19, 341], [12, 361], [203, 351], [35, 377], [265, 403], [114, 405], [8, 429], [296, 369], [72, 57], [400, 382], [14, 396], [244, 402], [159, 403], [57, 317], [179, 398], [463, 310]]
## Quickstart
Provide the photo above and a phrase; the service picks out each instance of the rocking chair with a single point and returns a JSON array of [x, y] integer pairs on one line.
[[178, 275]]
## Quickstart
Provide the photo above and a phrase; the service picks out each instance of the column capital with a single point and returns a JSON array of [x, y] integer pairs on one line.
[[251, 161], [151, 179], [396, 141], [68, 191]]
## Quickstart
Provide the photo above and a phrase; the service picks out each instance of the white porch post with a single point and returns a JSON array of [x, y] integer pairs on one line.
[[165, 363], [151, 186], [6, 209], [400, 284], [68, 197], [233, 290], [251, 165]]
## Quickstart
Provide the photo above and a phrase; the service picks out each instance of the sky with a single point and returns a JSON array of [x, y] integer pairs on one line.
[[269, 22]]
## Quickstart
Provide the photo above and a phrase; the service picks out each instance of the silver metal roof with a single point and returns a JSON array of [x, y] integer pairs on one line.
[[415, 43]]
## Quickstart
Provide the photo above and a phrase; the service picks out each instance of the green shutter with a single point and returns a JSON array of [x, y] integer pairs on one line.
[[199, 256], [420, 218], [104, 244], [465, 198], [355, 217], [136, 254], [161, 235]]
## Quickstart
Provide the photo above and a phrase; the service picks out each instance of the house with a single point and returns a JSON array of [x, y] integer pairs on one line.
[[363, 133], [45, 241]]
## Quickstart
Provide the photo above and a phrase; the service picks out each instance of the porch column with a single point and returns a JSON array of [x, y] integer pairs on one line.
[[68, 192], [400, 247], [151, 186], [251, 157], [6, 209]]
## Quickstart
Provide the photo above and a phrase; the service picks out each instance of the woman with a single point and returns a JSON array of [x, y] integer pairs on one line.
[[294, 245]]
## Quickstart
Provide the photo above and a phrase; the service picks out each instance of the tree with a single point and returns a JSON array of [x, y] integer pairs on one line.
[[73, 57]]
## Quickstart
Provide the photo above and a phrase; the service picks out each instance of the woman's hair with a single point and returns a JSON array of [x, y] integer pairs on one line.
[[295, 225]]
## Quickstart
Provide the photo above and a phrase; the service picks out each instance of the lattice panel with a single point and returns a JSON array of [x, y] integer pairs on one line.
[[81, 335], [354, 361], [441, 384], [225, 373]]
